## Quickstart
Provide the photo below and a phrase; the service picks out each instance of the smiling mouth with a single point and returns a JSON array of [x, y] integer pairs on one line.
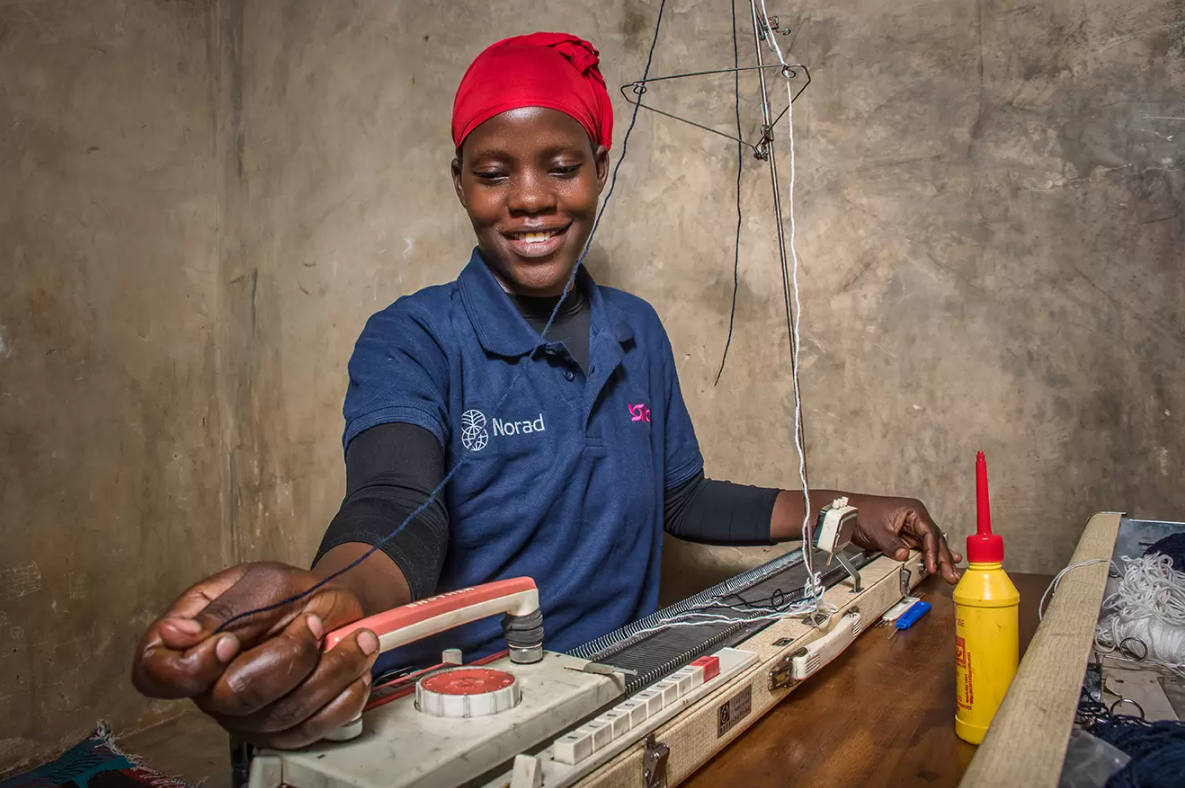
[[537, 236]]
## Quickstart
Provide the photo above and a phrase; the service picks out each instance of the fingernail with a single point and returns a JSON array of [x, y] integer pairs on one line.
[[368, 642], [315, 626], [366, 677], [185, 625], [226, 648]]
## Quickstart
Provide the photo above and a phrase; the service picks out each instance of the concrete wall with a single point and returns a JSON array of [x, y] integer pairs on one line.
[[110, 480], [989, 203]]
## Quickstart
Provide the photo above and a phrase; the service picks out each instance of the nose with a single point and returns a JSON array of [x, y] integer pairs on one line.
[[531, 193]]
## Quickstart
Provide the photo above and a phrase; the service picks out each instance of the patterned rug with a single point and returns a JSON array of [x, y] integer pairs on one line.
[[96, 762]]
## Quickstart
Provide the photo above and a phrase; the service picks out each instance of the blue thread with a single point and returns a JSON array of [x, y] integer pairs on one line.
[[736, 259], [1157, 749], [542, 341]]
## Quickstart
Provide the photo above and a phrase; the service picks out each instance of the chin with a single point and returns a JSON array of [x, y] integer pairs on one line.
[[542, 276]]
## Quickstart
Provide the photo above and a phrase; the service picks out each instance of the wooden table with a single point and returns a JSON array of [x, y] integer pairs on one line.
[[882, 714]]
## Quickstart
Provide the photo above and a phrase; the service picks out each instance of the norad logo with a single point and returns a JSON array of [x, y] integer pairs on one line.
[[518, 427], [475, 437]]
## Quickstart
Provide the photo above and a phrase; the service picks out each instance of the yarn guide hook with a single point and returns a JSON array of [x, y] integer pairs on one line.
[[772, 25], [760, 149]]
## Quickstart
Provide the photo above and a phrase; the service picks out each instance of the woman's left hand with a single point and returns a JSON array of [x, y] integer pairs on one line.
[[896, 525]]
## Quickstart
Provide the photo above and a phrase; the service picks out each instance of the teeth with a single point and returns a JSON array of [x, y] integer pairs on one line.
[[534, 238]]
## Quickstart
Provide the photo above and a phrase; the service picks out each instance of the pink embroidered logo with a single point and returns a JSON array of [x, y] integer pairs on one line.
[[639, 412]]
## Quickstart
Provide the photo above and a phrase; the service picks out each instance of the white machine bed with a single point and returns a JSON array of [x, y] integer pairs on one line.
[[633, 708]]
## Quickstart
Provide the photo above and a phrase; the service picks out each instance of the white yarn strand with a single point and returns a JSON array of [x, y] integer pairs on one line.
[[814, 585], [808, 606], [1052, 588]]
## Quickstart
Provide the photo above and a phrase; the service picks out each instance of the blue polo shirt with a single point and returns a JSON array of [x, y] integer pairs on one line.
[[564, 482]]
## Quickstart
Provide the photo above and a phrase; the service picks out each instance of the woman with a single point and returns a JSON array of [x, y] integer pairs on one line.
[[576, 454]]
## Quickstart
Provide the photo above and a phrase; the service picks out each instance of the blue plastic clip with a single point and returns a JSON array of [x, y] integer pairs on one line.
[[911, 616]]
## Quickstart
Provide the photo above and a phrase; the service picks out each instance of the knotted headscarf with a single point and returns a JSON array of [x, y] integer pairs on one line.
[[552, 70]]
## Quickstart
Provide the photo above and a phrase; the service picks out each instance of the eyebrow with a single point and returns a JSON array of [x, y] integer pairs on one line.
[[551, 150], [555, 150], [489, 154]]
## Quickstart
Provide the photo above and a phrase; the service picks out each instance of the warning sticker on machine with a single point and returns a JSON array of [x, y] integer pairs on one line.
[[734, 710]]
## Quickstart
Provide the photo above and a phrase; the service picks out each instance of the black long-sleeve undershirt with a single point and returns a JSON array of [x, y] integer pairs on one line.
[[718, 512], [391, 469]]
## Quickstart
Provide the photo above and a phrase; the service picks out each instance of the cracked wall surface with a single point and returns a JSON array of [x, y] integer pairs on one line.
[[205, 201]]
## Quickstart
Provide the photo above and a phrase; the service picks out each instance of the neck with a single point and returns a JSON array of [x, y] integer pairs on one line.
[[541, 307]]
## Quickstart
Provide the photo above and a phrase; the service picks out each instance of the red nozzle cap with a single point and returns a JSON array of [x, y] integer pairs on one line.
[[983, 547]]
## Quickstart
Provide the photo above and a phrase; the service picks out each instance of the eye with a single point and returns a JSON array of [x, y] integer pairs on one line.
[[489, 176], [565, 170]]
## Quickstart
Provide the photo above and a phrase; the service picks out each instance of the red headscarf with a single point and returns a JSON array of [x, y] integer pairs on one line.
[[552, 70]]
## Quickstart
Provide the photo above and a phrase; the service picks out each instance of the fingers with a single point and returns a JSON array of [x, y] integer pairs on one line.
[[342, 709], [162, 672], [935, 552], [182, 654], [176, 658], [178, 628], [266, 584], [947, 561], [888, 542], [930, 548], [238, 674], [267, 672], [336, 671], [180, 633], [262, 585]]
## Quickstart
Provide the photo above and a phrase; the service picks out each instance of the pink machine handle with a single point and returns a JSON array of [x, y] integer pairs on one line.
[[517, 597]]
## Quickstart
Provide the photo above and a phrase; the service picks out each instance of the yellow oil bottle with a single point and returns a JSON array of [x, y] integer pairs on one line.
[[987, 635]]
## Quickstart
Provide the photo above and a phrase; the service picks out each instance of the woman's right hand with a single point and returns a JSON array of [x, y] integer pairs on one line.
[[265, 679]]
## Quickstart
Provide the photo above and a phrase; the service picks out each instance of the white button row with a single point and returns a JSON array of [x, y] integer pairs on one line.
[[598, 734]]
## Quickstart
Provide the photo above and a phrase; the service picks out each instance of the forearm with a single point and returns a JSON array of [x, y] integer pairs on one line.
[[378, 582]]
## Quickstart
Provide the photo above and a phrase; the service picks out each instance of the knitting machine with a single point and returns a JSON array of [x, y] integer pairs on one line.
[[645, 705]]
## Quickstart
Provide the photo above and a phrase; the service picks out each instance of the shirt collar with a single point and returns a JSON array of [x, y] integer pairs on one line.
[[502, 330]]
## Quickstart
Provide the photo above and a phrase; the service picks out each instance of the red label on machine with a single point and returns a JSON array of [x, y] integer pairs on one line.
[[960, 652], [711, 666]]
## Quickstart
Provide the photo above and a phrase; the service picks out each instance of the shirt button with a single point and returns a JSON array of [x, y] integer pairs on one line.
[[569, 375]]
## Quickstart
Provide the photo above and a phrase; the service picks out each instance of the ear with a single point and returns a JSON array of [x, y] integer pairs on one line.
[[456, 168], [601, 157]]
